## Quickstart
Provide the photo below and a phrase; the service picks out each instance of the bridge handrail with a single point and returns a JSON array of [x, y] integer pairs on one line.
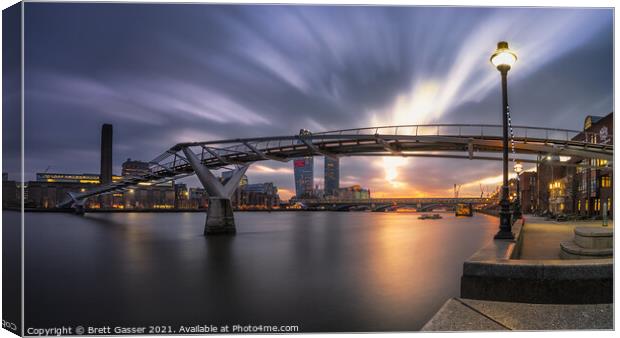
[[172, 162], [443, 125], [238, 145], [566, 134]]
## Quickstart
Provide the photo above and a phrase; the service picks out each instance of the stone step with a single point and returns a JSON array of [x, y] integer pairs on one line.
[[594, 237], [570, 250]]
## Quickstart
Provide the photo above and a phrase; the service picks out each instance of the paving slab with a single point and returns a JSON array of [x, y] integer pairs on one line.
[[459, 314]]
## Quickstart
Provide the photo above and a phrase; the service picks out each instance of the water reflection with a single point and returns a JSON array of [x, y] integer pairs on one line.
[[323, 271]]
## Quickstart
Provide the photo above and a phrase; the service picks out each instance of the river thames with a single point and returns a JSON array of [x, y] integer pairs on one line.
[[321, 271]]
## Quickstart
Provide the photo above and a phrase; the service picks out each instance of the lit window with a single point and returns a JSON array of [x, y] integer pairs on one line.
[[605, 182]]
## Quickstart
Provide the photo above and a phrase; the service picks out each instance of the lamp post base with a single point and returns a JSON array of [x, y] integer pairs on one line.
[[504, 235], [505, 224]]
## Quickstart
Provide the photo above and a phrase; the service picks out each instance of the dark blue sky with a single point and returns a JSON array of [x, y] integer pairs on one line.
[[163, 74]]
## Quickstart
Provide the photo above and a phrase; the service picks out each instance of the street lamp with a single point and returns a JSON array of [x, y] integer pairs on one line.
[[503, 58], [518, 168]]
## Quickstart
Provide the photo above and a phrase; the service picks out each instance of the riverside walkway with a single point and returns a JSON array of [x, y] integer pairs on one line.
[[537, 250], [541, 238], [459, 314]]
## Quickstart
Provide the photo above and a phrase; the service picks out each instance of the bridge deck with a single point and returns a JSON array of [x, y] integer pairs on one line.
[[440, 140]]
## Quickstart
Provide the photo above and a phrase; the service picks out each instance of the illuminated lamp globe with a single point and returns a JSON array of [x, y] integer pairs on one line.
[[518, 167], [503, 57]]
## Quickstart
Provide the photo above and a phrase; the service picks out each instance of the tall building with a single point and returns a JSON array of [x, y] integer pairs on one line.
[[583, 190], [106, 154], [592, 186], [134, 168], [332, 175], [529, 191], [304, 176]]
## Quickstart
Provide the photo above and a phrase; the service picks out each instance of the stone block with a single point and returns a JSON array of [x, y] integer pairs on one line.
[[571, 250], [594, 238]]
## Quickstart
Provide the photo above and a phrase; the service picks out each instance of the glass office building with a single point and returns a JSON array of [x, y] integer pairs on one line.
[[332, 175], [304, 176]]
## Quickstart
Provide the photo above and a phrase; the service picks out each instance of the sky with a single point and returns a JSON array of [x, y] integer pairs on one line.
[[164, 74]]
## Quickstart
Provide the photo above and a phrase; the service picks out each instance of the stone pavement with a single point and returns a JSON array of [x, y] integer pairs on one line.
[[537, 253], [541, 238], [459, 314]]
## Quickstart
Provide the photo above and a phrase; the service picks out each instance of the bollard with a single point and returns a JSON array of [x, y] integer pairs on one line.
[[605, 214]]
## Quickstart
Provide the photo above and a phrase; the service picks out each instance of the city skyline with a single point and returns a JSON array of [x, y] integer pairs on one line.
[[232, 71]]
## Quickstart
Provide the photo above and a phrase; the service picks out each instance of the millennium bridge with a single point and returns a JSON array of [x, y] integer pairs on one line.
[[464, 141]]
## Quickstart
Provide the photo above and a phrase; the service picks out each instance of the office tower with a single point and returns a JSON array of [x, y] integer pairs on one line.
[[332, 175], [106, 154], [304, 176]]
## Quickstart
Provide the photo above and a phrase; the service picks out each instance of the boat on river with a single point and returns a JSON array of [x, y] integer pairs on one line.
[[433, 216]]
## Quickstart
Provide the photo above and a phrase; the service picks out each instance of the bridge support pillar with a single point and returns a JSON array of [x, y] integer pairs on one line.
[[220, 218], [79, 210], [79, 204]]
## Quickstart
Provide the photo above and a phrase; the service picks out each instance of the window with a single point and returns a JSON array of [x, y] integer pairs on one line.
[[587, 209], [583, 186], [597, 204], [593, 181], [605, 182], [595, 162], [587, 123], [579, 205]]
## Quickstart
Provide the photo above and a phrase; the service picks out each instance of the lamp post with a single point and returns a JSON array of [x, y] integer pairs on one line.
[[503, 58], [516, 213]]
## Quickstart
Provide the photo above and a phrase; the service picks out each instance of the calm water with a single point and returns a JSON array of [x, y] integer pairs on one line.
[[323, 271]]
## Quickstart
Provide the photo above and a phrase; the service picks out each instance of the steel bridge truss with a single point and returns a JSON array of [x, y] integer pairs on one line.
[[467, 141]]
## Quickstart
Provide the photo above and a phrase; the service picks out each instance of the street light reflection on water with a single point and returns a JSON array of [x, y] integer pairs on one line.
[[323, 271]]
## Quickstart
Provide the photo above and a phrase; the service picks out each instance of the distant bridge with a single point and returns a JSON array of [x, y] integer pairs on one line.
[[465, 141], [403, 200], [398, 201], [380, 204]]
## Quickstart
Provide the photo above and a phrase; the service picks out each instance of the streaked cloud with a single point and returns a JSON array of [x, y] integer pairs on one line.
[[189, 72]]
